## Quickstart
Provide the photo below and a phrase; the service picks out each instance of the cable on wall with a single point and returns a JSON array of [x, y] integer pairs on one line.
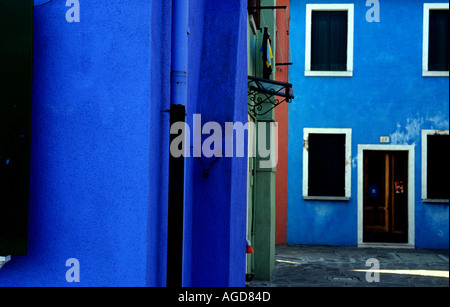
[[37, 4]]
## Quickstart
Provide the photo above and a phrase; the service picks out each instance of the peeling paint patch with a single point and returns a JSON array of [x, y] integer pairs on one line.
[[408, 135], [355, 162], [438, 122]]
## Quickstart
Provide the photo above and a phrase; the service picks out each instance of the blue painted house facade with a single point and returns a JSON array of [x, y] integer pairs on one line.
[[99, 186], [368, 136]]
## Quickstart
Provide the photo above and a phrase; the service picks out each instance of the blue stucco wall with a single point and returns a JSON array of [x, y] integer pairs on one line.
[[100, 146], [387, 96], [93, 147], [216, 207], [97, 154]]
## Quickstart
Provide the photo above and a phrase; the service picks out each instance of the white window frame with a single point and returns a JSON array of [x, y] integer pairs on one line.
[[348, 161], [425, 134], [351, 16], [427, 7]]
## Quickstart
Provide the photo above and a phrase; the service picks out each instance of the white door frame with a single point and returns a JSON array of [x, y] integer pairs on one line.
[[411, 192]]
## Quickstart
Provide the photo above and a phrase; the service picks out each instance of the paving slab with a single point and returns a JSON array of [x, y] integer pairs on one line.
[[325, 266]]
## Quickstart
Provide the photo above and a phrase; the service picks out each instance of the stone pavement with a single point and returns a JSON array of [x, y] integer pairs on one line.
[[320, 266]]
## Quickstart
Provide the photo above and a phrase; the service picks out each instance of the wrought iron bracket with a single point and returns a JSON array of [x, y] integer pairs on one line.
[[265, 95], [279, 7]]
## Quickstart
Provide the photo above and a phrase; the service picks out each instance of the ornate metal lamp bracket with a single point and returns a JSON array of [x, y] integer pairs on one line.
[[265, 95]]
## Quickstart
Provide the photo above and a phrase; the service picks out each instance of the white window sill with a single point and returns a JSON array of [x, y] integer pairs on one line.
[[314, 73], [329, 198], [436, 201], [427, 73]]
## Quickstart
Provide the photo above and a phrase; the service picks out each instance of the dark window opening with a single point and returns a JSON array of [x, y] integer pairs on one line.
[[16, 53], [438, 53], [329, 39], [438, 167], [326, 165]]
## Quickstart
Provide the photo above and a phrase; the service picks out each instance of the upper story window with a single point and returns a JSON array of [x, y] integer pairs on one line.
[[329, 40], [435, 40]]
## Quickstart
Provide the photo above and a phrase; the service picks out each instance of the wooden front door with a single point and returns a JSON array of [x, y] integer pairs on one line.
[[385, 199]]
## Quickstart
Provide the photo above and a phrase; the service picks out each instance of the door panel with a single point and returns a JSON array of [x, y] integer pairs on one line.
[[385, 197], [375, 204], [399, 219]]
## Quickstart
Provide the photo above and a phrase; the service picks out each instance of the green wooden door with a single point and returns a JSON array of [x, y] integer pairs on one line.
[[16, 50]]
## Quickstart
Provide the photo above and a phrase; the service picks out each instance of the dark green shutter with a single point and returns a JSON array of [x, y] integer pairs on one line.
[[320, 41], [438, 55], [438, 167], [329, 38], [326, 169], [16, 50]]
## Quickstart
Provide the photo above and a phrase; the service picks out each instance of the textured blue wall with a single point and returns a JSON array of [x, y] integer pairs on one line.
[[216, 207], [387, 96], [100, 146], [96, 193]]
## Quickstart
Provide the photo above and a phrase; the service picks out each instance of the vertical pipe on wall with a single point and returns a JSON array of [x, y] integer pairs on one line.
[[180, 17]]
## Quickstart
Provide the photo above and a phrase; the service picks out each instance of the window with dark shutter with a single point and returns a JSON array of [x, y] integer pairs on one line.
[[438, 167], [326, 165], [329, 40], [438, 53], [16, 39]]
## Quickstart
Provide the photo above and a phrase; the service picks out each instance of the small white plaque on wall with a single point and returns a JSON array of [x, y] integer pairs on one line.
[[385, 139]]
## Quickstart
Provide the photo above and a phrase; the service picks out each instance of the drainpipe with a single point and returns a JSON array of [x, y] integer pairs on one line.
[[178, 101]]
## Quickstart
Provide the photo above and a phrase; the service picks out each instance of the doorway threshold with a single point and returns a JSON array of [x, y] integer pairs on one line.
[[386, 245]]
